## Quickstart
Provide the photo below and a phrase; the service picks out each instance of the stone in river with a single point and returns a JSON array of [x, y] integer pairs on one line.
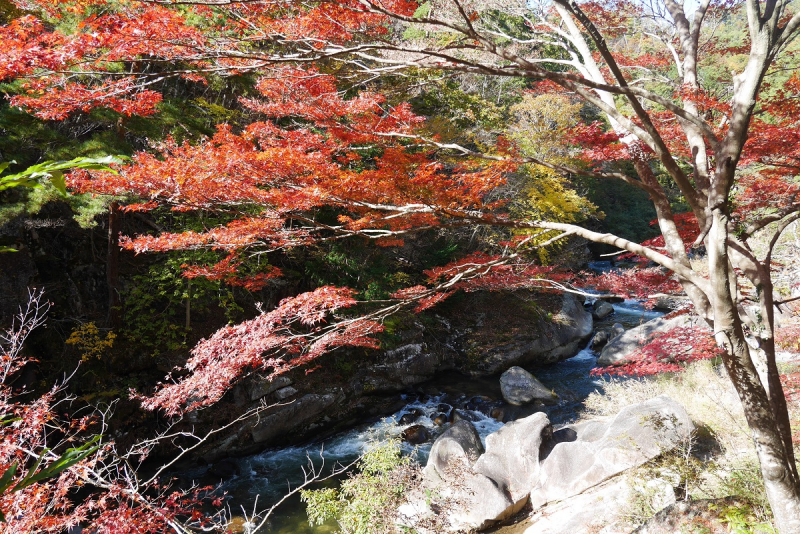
[[416, 435], [440, 419], [520, 387], [410, 417], [602, 309]]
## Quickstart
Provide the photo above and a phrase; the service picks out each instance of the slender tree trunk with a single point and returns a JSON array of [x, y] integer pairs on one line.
[[188, 304], [112, 267], [672, 239], [777, 462]]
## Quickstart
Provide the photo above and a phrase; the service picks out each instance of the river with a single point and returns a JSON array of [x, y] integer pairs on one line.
[[266, 475]]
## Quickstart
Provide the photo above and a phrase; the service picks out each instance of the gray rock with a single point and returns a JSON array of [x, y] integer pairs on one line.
[[415, 435], [605, 448], [405, 366], [258, 386], [616, 331], [476, 501], [600, 509], [511, 459], [667, 304], [599, 340], [519, 387], [602, 309], [481, 504], [410, 417], [514, 335], [282, 419], [285, 393], [620, 348], [498, 484], [458, 447]]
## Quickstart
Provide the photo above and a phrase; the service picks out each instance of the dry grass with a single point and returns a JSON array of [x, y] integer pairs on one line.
[[730, 468], [703, 389]]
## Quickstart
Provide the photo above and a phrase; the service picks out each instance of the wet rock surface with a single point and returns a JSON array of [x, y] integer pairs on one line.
[[511, 459], [457, 447], [415, 435], [282, 419], [602, 309]]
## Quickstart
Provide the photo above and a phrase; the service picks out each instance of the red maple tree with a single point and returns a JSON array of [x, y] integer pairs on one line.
[[725, 143]]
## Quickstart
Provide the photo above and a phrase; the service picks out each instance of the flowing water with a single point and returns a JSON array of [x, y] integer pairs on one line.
[[267, 475]]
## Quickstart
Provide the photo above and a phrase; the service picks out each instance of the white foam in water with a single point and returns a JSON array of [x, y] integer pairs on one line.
[[267, 473], [634, 307]]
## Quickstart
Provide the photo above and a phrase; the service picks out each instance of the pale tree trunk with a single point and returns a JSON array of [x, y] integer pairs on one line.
[[772, 444]]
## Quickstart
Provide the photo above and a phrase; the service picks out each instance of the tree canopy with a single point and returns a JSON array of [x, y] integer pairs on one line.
[[665, 97]]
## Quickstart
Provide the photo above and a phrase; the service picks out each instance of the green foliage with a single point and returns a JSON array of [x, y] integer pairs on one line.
[[744, 481], [538, 126], [53, 171], [154, 315], [449, 103], [44, 182], [414, 32], [741, 519], [366, 502], [85, 208], [362, 266], [8, 11], [628, 211]]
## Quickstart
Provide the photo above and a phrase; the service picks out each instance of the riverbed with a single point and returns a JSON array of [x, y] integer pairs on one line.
[[266, 476]]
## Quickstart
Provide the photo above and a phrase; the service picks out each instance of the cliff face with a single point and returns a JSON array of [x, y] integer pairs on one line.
[[56, 254]]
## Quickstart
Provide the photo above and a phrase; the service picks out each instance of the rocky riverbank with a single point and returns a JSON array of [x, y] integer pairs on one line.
[[482, 335], [529, 462]]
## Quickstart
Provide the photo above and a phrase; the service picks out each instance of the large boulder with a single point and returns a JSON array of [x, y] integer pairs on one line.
[[476, 502], [285, 418], [456, 448], [604, 448], [520, 387], [498, 330], [599, 340], [496, 486], [415, 435], [407, 365], [619, 350], [479, 504], [616, 330], [605, 508], [511, 459], [600, 509], [258, 386]]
